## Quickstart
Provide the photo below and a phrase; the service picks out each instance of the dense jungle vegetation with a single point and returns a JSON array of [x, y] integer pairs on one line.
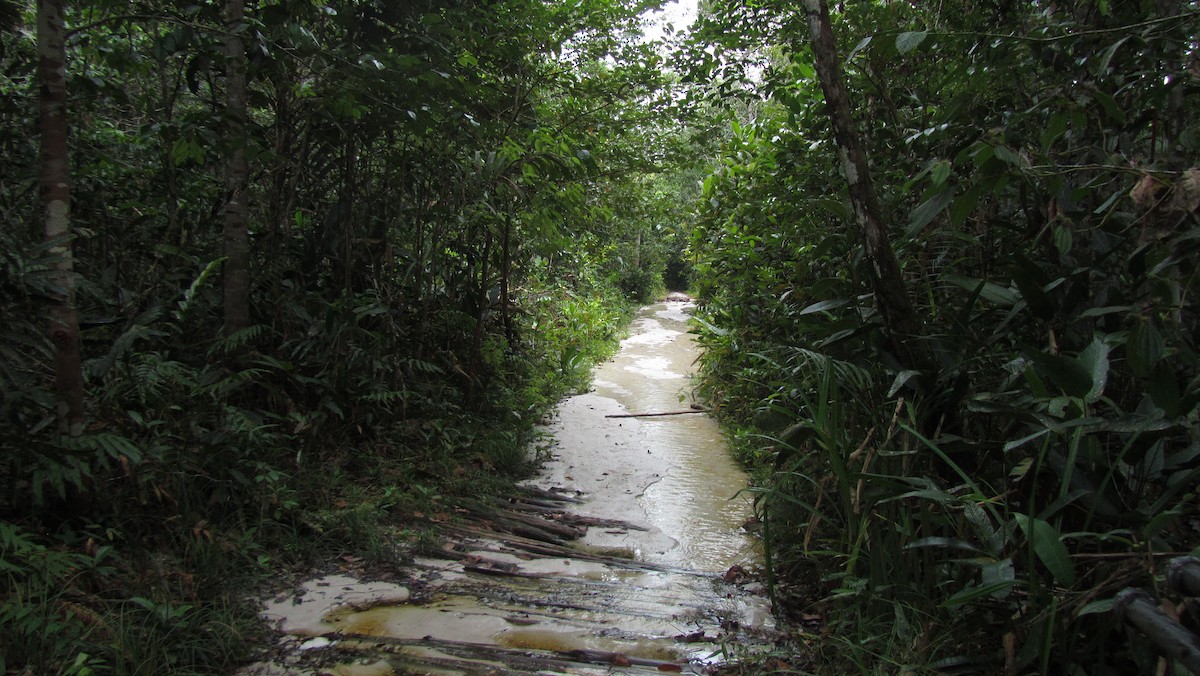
[[279, 275], [324, 265], [963, 452]]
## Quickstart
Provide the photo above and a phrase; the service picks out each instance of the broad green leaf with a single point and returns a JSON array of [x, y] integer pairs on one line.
[[1095, 607], [144, 602], [824, 306], [1091, 422], [964, 205], [1163, 388], [862, 44], [1106, 310], [1106, 58], [1010, 156], [926, 212], [804, 72], [1069, 375], [981, 152], [997, 580], [1064, 239], [1022, 468], [1028, 279], [1055, 128], [1036, 385], [1144, 348], [997, 572], [1017, 443], [991, 292], [1063, 501], [993, 589], [940, 171], [835, 208], [1048, 546], [1109, 104], [933, 494], [909, 40], [948, 543], [901, 378], [1108, 203], [1094, 360], [712, 327], [185, 150]]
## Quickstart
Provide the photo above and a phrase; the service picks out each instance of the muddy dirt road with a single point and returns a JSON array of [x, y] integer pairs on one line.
[[627, 554]]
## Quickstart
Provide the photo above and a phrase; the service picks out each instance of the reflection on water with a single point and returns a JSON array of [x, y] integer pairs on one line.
[[694, 501]]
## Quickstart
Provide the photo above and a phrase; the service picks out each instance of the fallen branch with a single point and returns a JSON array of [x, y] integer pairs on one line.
[[1141, 610], [655, 415], [469, 654]]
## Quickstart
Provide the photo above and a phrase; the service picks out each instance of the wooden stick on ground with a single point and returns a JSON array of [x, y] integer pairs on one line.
[[1141, 610], [655, 415]]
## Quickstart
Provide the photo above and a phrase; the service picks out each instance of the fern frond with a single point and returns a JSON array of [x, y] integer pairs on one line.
[[190, 294], [811, 364], [123, 345], [251, 427], [105, 446], [386, 397], [238, 340], [422, 366], [234, 381]]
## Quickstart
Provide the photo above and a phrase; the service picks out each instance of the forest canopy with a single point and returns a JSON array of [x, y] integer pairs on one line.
[[278, 275]]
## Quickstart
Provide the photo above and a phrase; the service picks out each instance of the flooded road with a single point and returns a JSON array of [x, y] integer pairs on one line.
[[677, 468], [626, 554]]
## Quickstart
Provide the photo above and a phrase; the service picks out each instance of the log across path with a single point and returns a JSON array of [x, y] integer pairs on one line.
[[626, 554]]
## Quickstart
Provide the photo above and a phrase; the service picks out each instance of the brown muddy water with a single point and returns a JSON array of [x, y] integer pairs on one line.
[[625, 555]]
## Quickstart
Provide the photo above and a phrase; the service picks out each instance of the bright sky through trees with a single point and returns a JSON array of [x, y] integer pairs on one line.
[[679, 14]]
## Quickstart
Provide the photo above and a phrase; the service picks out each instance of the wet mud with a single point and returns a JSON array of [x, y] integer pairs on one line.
[[626, 554]]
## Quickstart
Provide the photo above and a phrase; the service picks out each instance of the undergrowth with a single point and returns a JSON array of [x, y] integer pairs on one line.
[[212, 467], [977, 510]]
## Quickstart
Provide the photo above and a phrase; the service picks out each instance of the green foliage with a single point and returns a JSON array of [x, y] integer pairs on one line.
[[965, 517], [442, 244], [45, 629]]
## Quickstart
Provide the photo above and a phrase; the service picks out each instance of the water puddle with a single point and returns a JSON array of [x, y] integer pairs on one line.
[[627, 552], [687, 476]]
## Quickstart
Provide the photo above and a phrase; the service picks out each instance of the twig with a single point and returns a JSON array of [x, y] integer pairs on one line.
[[655, 415], [1122, 555]]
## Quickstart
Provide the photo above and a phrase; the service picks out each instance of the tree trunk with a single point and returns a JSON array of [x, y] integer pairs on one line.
[[167, 95], [475, 375], [348, 198], [891, 299], [505, 272], [236, 235], [56, 201]]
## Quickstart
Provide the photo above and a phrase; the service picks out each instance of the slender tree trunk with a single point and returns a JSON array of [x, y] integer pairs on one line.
[[237, 212], [475, 382], [56, 201], [505, 272], [891, 299], [348, 198], [166, 92]]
